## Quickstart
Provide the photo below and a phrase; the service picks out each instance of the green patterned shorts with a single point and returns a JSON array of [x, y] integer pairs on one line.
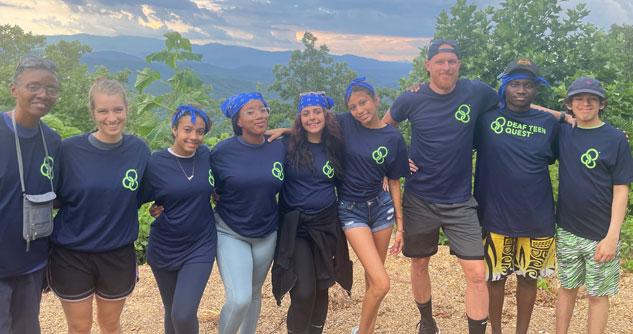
[[576, 265]]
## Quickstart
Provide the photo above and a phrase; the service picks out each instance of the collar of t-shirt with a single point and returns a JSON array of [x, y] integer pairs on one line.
[[23, 132], [101, 145]]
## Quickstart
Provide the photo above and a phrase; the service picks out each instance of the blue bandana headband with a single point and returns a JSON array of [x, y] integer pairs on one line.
[[358, 82], [506, 78], [232, 105], [315, 99], [183, 110]]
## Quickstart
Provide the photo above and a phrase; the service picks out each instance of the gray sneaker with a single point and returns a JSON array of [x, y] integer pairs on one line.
[[355, 330]]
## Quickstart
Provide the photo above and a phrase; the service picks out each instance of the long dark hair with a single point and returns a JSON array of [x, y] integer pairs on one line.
[[299, 155]]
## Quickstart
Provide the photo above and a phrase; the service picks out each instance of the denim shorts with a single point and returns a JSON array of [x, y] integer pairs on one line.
[[377, 214]]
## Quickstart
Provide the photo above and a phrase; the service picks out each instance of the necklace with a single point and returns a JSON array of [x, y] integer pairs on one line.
[[177, 157]]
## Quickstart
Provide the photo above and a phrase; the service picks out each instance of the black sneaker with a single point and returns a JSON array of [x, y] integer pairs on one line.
[[433, 329]]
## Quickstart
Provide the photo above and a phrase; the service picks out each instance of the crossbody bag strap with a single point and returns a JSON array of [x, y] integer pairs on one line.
[[19, 152]]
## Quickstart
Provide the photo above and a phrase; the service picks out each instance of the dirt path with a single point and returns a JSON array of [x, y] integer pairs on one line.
[[143, 312]]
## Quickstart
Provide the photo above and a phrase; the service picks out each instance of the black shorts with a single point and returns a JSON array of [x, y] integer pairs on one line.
[[423, 220], [75, 276]]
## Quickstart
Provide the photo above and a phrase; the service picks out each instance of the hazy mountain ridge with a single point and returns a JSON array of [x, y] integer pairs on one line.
[[228, 68]]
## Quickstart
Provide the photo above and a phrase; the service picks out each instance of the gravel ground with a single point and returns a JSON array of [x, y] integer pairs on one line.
[[143, 311]]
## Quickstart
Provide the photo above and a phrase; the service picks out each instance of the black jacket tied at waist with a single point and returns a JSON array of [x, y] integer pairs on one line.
[[331, 256]]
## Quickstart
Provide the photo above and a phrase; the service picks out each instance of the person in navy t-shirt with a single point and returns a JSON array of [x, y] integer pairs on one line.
[[182, 240], [97, 223], [515, 145], [35, 87], [595, 172], [311, 250], [248, 173], [443, 115], [373, 151]]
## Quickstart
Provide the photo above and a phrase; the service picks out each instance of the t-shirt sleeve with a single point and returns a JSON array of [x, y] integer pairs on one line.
[[147, 190], [401, 107], [479, 128], [490, 98], [623, 170], [400, 166]]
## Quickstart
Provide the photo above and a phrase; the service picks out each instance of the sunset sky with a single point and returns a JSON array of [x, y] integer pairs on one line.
[[386, 30]]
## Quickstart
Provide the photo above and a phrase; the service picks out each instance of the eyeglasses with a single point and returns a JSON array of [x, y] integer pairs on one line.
[[52, 91]]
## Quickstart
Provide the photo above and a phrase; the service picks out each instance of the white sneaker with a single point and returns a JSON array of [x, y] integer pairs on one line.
[[355, 330]]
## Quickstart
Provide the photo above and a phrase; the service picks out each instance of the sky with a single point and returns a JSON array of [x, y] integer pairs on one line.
[[386, 30]]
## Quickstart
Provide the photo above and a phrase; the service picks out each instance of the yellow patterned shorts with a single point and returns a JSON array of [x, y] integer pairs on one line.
[[525, 256]]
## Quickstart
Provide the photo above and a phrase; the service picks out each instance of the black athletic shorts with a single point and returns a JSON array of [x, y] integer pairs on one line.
[[75, 276]]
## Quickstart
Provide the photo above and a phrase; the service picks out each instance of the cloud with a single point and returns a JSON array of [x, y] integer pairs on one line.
[[388, 48], [381, 29]]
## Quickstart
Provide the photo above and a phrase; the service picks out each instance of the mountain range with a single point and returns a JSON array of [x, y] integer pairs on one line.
[[229, 69]]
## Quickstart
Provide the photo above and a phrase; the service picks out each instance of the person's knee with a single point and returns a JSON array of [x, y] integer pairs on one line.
[[77, 326], [420, 265], [109, 325], [380, 286], [597, 300], [304, 295], [475, 274], [239, 300], [184, 318]]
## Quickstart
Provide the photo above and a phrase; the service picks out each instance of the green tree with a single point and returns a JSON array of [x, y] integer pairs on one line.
[[311, 69], [14, 44], [185, 88]]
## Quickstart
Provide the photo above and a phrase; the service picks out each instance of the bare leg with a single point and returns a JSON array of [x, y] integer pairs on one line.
[[525, 297], [78, 316], [420, 279], [598, 314], [496, 291], [476, 288], [109, 315], [363, 242], [565, 308]]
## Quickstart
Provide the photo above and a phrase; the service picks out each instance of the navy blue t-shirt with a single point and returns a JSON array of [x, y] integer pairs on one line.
[[309, 190], [442, 129], [512, 183], [247, 179], [185, 231], [100, 193], [592, 161], [14, 259], [370, 155]]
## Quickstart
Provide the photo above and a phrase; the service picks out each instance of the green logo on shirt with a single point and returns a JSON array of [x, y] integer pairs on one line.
[[589, 158], [328, 170], [514, 128], [278, 170], [498, 124], [380, 154], [463, 113], [211, 178], [46, 168], [130, 181]]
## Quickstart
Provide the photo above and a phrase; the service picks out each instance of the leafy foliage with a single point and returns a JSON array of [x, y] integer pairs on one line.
[[311, 69]]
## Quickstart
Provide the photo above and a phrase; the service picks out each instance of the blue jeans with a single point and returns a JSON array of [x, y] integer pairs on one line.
[[181, 291], [20, 303], [243, 263], [376, 213]]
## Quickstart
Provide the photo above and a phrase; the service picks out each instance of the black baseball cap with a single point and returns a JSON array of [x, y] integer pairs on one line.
[[586, 85], [434, 47], [522, 64]]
